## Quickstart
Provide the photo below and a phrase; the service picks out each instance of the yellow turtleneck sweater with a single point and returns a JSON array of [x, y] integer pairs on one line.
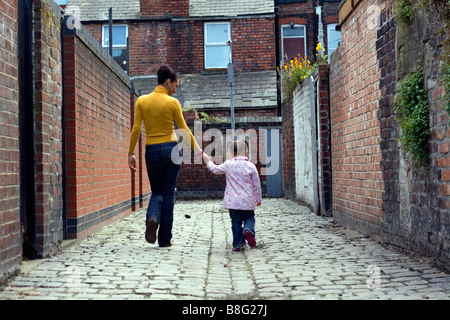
[[158, 110]]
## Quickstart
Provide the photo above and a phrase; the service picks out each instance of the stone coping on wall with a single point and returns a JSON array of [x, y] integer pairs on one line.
[[102, 53]]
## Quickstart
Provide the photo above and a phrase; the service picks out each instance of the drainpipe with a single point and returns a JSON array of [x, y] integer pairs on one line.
[[277, 55], [27, 127], [63, 132]]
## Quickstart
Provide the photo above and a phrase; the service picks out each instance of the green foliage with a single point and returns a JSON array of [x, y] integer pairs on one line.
[[411, 107], [204, 117], [293, 73], [404, 13]]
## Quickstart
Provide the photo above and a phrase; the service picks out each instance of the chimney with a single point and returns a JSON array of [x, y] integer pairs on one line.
[[164, 8]]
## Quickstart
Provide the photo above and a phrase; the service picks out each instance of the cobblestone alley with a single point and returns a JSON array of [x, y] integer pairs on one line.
[[298, 256]]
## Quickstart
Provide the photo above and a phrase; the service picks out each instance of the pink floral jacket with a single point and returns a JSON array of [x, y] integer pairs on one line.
[[243, 188]]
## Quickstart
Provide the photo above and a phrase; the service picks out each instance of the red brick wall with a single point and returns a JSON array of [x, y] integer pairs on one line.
[[196, 181], [48, 138], [10, 236], [158, 8], [253, 44], [355, 138], [324, 140], [140, 185], [97, 98], [288, 145], [148, 46], [181, 45]]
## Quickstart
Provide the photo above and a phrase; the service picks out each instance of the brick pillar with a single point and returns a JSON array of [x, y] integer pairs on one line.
[[10, 236], [324, 140], [48, 126]]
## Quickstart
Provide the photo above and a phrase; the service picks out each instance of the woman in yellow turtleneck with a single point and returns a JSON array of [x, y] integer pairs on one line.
[[158, 110]]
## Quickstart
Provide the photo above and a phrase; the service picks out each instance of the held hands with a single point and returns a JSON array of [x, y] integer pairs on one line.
[[132, 162], [206, 158]]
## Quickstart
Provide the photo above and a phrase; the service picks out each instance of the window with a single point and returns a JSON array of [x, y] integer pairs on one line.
[[217, 50], [293, 41], [120, 47], [333, 38]]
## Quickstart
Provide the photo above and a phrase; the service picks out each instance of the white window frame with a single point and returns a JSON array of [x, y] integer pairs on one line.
[[330, 27], [292, 37], [107, 35], [212, 44]]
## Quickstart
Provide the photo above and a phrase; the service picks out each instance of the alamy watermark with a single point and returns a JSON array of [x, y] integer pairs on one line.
[[374, 280], [216, 143], [74, 17], [373, 20]]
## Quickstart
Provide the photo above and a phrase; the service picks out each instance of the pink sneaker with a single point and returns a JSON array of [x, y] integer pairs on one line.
[[250, 238]]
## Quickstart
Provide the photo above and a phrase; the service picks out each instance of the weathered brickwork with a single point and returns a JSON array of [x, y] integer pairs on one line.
[[48, 117], [324, 140], [162, 8], [10, 233], [415, 214], [181, 45], [355, 127], [288, 145], [401, 205], [253, 44]]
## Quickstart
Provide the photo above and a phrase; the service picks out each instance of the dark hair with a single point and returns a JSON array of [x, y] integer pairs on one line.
[[166, 72], [238, 147]]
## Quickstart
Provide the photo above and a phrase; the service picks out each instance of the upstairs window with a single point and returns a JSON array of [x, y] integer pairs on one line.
[[217, 49], [293, 41], [333, 37], [120, 44]]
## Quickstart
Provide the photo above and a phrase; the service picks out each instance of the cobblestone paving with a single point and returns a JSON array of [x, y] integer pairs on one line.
[[298, 256]]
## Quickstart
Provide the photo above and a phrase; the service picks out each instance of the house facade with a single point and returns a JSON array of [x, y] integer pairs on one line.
[[198, 39]]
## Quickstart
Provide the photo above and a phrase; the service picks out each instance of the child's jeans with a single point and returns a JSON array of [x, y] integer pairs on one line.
[[239, 217]]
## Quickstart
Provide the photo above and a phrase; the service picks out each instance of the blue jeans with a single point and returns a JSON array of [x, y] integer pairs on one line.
[[163, 176], [239, 217]]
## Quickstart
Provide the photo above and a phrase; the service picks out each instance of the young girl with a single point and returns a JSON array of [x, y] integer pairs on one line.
[[242, 192]]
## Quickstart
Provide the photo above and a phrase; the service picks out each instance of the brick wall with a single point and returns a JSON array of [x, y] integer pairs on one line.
[[180, 45], [97, 103], [195, 181], [355, 128], [305, 114], [324, 139], [401, 205], [253, 44], [158, 8], [288, 145], [417, 200], [10, 234], [48, 126], [184, 45], [393, 167], [140, 185]]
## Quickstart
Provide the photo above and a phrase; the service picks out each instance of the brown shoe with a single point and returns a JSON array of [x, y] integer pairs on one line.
[[150, 230]]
